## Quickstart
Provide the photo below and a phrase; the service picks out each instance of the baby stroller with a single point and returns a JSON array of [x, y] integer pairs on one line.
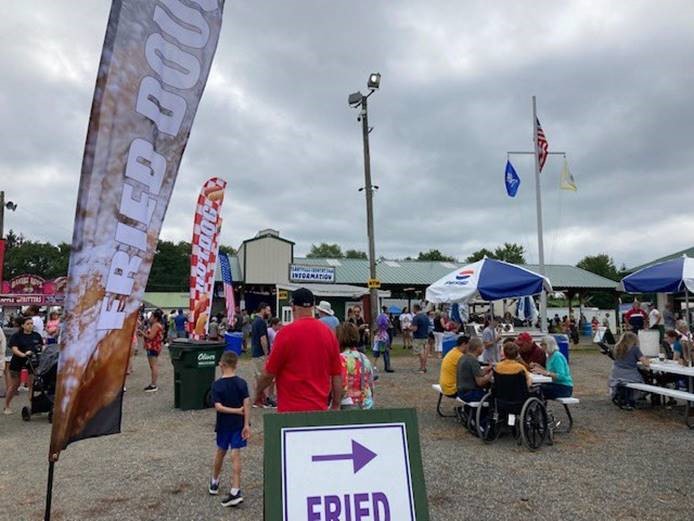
[[44, 367]]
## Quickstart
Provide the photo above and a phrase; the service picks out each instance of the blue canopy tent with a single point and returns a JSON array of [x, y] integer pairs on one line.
[[490, 279], [673, 276]]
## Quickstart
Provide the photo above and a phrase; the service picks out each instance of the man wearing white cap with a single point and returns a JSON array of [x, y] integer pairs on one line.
[[327, 315]]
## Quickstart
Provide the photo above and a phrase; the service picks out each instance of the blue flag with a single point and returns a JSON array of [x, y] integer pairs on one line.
[[511, 179]]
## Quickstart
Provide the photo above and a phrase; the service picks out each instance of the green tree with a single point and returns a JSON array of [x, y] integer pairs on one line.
[[510, 252], [36, 258], [325, 250], [479, 255], [171, 267], [434, 255], [355, 254], [229, 250], [603, 265]]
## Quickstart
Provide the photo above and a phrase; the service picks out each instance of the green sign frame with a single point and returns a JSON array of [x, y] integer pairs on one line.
[[273, 501]]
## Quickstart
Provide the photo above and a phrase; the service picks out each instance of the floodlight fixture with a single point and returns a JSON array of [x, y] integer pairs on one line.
[[374, 81], [11, 206], [355, 98]]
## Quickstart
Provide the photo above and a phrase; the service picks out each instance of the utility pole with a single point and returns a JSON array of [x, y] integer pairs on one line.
[[2, 218], [368, 189], [359, 100]]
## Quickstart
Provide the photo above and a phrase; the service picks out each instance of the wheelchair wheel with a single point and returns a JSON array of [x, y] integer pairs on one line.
[[487, 428], [533, 421], [26, 414]]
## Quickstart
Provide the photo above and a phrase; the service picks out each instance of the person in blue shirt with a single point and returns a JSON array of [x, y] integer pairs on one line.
[[673, 338], [180, 324], [233, 428], [327, 315], [557, 367], [420, 336]]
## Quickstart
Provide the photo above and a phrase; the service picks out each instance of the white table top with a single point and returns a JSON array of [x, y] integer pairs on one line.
[[668, 366], [541, 379]]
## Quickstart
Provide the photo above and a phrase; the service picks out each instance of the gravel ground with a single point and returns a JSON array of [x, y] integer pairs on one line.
[[614, 465]]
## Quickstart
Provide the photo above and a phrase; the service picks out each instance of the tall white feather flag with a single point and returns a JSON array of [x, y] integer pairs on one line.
[[567, 179]]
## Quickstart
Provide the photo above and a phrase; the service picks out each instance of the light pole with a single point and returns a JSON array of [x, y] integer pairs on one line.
[[10, 206], [357, 99]]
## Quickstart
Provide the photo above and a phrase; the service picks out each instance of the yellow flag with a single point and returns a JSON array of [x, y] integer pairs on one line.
[[567, 179]]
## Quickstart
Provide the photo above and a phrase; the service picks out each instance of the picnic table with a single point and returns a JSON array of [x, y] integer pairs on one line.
[[540, 379], [671, 367]]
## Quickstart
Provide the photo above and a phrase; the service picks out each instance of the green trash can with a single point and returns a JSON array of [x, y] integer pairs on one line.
[[194, 363]]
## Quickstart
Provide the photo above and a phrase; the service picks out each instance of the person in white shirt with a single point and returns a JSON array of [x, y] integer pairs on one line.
[[33, 312], [406, 328], [275, 325], [655, 321]]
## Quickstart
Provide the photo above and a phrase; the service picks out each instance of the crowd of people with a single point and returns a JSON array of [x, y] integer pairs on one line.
[[467, 370], [318, 363]]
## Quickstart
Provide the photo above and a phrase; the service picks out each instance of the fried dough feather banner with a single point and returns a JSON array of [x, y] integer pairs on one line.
[[154, 66], [206, 229]]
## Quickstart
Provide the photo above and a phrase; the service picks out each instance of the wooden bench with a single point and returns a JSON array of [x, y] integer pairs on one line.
[[665, 391]]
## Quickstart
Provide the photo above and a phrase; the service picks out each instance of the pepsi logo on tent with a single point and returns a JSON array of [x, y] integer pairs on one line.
[[465, 275], [462, 278]]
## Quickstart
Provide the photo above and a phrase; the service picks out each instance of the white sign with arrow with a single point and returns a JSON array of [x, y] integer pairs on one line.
[[347, 473]]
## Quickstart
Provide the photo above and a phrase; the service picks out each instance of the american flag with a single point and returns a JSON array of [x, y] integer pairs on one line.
[[542, 146], [228, 288]]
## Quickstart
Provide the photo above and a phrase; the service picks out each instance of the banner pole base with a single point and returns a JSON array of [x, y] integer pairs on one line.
[[49, 491]]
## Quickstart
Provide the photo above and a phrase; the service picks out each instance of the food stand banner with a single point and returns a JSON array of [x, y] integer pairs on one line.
[[206, 228], [154, 65]]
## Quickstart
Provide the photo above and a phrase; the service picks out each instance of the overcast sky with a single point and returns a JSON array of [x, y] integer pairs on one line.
[[615, 88]]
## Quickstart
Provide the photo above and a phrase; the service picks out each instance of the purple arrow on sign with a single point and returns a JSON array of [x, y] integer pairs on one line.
[[360, 456]]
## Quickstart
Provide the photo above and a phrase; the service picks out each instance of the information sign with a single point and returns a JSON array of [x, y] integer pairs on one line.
[[301, 273]]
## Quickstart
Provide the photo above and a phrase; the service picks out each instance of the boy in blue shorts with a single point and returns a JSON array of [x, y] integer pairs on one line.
[[233, 428]]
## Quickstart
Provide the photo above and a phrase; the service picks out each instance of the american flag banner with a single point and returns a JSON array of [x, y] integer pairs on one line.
[[228, 286], [542, 146], [206, 228]]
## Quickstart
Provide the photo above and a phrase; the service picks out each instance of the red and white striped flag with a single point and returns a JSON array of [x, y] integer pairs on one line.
[[542, 146]]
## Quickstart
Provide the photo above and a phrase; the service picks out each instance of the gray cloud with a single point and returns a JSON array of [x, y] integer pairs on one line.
[[613, 82]]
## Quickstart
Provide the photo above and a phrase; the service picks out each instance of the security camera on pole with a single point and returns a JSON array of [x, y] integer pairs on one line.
[[355, 100]]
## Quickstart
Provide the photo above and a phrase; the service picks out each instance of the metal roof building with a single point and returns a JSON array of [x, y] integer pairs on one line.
[[423, 273]]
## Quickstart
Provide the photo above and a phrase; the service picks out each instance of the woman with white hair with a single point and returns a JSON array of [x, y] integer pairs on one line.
[[557, 368]]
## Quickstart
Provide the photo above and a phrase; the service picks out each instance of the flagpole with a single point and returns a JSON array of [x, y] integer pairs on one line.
[[540, 242], [49, 491]]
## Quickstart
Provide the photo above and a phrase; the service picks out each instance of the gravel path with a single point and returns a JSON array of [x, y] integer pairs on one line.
[[614, 465]]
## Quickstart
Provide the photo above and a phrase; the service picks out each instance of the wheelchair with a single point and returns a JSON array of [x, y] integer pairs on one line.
[[509, 405]]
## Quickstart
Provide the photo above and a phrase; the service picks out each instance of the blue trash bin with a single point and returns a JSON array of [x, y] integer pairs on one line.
[[234, 342], [449, 341], [563, 344], [587, 329]]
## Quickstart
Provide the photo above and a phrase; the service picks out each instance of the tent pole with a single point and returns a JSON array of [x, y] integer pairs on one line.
[[686, 303]]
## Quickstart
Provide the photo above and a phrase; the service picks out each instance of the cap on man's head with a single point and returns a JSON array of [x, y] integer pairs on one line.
[[303, 298], [524, 337]]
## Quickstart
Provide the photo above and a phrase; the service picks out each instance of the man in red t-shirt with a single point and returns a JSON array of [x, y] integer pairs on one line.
[[304, 362], [636, 317]]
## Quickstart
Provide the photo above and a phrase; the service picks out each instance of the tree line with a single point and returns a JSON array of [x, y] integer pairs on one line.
[[171, 267]]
